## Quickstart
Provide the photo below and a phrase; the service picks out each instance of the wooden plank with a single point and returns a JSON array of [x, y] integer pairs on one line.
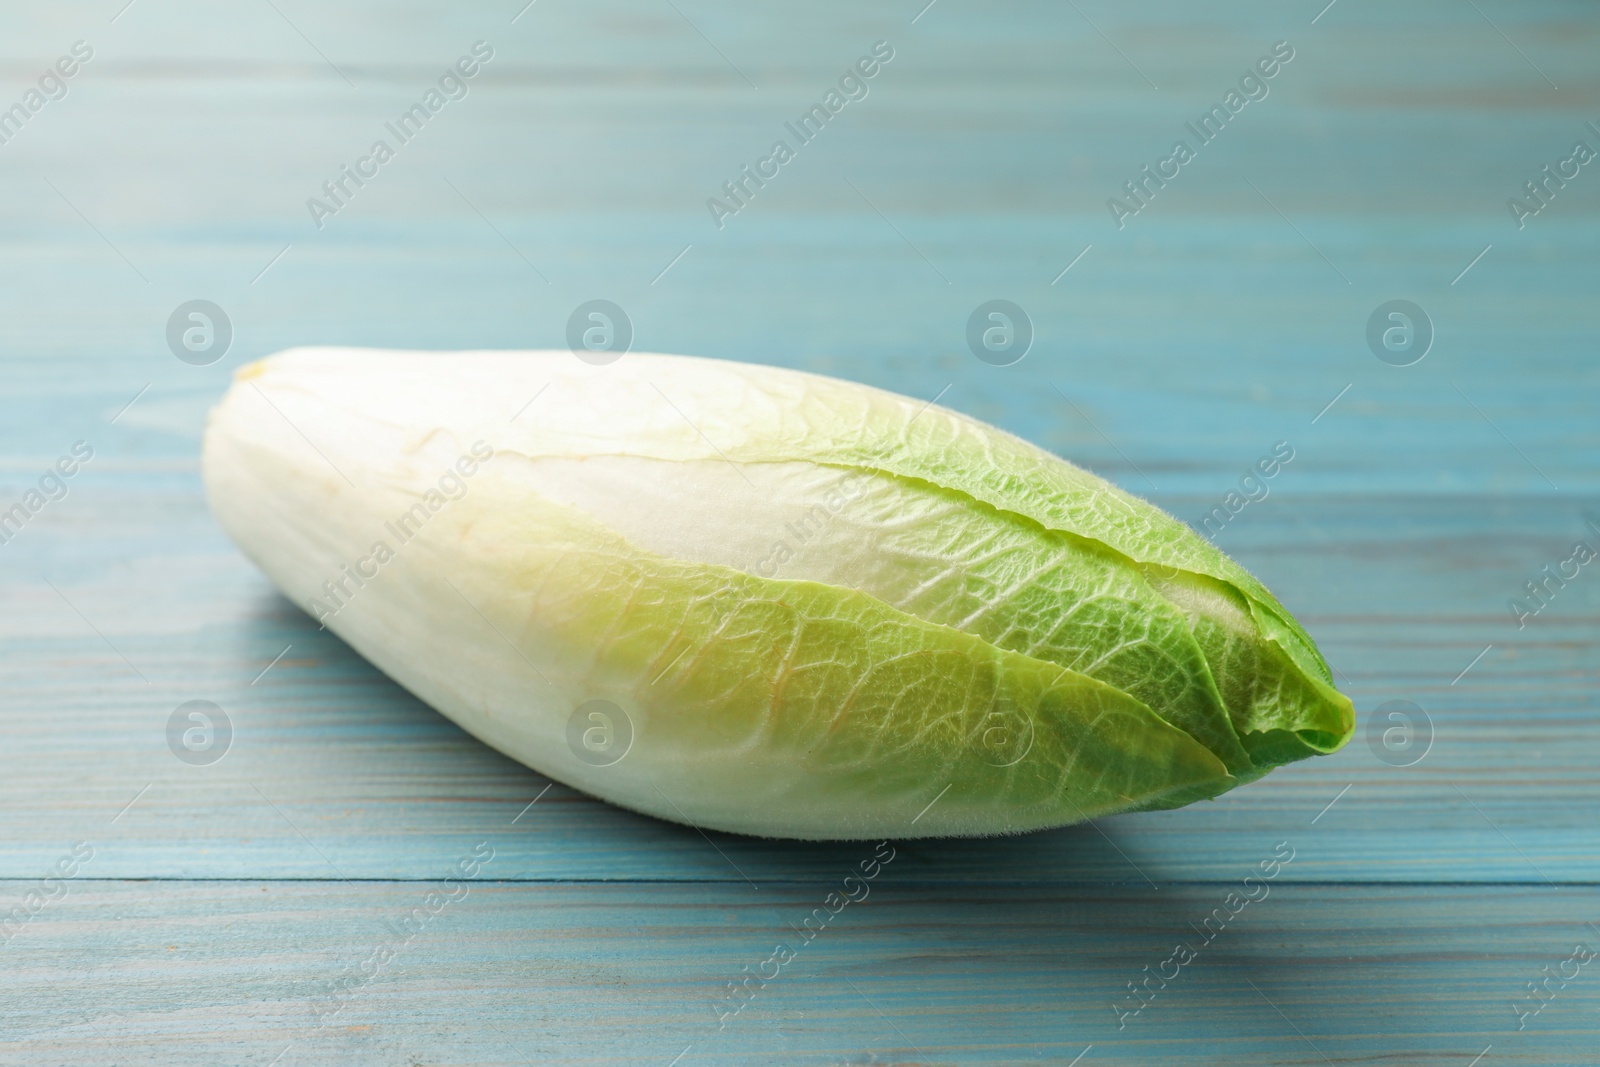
[[1195, 337], [334, 764], [152, 972]]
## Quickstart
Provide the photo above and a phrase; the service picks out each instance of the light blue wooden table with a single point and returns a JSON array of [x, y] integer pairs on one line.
[[210, 909]]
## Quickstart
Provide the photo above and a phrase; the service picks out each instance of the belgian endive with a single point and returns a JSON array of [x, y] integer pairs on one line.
[[759, 600]]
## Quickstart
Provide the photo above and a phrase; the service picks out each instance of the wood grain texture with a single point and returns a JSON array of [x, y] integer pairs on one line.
[[1224, 317], [333, 763], [142, 972]]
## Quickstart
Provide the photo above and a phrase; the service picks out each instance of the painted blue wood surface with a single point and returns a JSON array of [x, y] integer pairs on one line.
[[236, 972], [1226, 316]]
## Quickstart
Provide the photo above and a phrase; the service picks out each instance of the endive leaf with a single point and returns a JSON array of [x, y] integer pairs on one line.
[[821, 607]]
